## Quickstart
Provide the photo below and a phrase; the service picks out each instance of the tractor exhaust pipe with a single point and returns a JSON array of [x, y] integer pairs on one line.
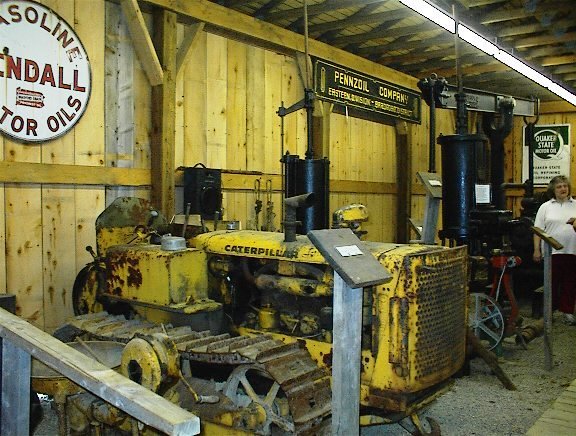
[[290, 222]]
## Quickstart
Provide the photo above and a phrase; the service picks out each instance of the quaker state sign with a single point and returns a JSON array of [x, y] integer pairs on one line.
[[550, 153], [45, 77]]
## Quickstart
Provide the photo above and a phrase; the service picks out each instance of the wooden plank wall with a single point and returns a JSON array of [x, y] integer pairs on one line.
[[45, 227], [227, 95]]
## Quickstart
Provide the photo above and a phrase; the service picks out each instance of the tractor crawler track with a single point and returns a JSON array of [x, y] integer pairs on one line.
[[306, 386]]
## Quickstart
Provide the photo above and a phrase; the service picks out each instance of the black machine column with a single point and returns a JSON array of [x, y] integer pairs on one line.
[[303, 176], [458, 180]]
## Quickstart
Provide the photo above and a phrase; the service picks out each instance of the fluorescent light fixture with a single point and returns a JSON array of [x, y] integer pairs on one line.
[[432, 13], [563, 93], [444, 20], [522, 68], [476, 40]]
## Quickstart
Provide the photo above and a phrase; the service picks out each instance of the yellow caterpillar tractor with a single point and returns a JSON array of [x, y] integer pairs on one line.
[[236, 325]]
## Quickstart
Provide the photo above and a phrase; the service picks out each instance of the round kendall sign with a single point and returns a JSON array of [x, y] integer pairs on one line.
[[45, 77]]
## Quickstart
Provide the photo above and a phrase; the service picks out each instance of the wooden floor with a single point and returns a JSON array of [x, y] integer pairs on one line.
[[560, 418]]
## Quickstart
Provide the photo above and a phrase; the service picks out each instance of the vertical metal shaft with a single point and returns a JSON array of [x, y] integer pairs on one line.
[[461, 110], [432, 137], [308, 93], [547, 306]]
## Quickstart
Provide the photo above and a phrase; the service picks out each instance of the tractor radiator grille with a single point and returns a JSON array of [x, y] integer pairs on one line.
[[441, 280]]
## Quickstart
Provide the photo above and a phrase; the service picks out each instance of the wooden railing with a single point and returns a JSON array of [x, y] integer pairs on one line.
[[21, 340]]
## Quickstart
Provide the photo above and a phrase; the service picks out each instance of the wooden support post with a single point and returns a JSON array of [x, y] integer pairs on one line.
[[321, 128], [403, 165], [433, 185], [354, 268], [548, 244], [547, 309], [347, 319], [15, 390], [164, 115]]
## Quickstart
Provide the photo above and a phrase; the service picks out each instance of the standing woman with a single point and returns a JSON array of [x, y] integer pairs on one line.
[[557, 217]]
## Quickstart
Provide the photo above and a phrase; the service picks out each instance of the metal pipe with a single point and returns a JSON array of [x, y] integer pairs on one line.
[[432, 138], [290, 222]]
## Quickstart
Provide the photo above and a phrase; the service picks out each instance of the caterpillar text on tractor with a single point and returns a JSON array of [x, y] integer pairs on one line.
[[236, 325]]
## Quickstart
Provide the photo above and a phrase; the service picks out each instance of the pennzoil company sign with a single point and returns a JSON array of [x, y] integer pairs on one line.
[[351, 88], [45, 77]]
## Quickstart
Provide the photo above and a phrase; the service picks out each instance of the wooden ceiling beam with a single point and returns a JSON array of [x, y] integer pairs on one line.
[[540, 52], [507, 14], [442, 39], [320, 8], [266, 8], [384, 33], [358, 19], [230, 3], [467, 70], [417, 56], [526, 29], [480, 3], [557, 60], [535, 41], [564, 69], [470, 60]]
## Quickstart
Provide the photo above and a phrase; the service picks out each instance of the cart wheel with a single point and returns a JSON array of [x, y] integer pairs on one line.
[[486, 320], [87, 287]]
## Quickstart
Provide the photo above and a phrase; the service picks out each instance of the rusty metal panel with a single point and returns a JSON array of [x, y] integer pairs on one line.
[[151, 275]]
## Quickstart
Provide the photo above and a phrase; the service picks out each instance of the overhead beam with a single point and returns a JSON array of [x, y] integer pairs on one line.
[[224, 21], [557, 60], [418, 57], [449, 65], [142, 41], [385, 33], [479, 3], [525, 29], [326, 5], [357, 19], [468, 71], [266, 8], [507, 14], [441, 39], [564, 69], [544, 40]]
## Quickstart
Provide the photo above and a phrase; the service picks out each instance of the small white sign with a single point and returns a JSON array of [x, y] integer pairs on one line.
[[434, 182], [45, 77], [483, 194], [349, 250]]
